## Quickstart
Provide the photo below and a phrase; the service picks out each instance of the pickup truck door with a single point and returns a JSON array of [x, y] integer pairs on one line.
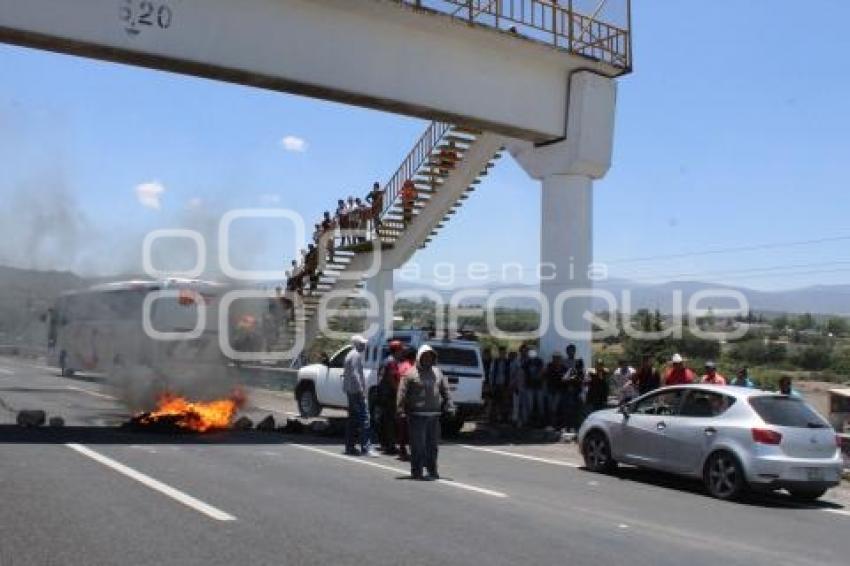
[[329, 386]]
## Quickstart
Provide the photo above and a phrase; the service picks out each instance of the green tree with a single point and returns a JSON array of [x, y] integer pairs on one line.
[[814, 358], [837, 326]]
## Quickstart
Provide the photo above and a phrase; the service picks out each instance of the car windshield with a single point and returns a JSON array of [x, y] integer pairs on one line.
[[786, 411]]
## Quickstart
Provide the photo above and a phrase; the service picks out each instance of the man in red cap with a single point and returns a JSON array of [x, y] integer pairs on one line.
[[388, 380]]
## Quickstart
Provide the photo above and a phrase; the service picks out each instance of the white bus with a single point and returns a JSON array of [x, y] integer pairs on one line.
[[101, 330]]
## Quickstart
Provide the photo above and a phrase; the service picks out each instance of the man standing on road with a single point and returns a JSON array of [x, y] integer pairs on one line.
[[647, 377], [711, 376], [679, 373], [622, 375], [499, 378], [388, 379], [354, 384], [742, 378], [408, 361], [533, 373], [423, 395]]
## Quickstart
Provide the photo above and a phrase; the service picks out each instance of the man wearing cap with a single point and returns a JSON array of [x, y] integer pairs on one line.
[[354, 385], [388, 380], [679, 373], [711, 376]]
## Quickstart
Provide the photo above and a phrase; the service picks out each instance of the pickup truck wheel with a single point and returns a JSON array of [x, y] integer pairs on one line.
[[308, 402]]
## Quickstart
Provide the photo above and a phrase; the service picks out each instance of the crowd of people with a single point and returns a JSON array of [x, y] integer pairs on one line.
[[524, 390], [353, 222]]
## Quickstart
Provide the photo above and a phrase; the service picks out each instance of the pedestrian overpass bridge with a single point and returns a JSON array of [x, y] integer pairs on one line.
[[535, 77]]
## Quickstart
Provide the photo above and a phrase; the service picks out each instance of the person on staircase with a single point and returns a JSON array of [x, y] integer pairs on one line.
[[328, 228], [408, 199], [339, 220], [448, 158], [353, 220], [311, 266], [376, 199], [365, 215]]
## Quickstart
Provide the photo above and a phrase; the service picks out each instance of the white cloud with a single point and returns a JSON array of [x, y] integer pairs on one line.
[[195, 203], [294, 143], [149, 194]]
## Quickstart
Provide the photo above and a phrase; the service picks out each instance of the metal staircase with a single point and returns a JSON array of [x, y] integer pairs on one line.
[[441, 190]]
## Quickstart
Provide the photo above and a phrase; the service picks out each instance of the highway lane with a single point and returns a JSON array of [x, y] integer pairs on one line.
[[295, 500]]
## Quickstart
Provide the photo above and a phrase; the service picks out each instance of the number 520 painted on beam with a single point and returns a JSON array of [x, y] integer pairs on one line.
[[136, 15]]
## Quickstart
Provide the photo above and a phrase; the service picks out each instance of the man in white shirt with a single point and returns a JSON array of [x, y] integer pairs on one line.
[[622, 375], [354, 385]]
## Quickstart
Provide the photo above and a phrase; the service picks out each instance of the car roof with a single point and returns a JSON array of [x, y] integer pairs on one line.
[[733, 390]]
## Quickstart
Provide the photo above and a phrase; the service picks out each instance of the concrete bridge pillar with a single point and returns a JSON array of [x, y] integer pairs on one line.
[[381, 287], [567, 169]]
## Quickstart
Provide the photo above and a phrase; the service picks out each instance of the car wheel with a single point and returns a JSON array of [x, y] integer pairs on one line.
[[807, 494], [724, 477], [308, 403], [597, 453]]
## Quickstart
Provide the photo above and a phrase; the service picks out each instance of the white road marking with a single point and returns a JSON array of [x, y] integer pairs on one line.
[[90, 392], [365, 462], [154, 484], [843, 512], [6, 371], [522, 456]]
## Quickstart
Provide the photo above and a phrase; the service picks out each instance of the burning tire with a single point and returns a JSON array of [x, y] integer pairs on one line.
[[308, 402]]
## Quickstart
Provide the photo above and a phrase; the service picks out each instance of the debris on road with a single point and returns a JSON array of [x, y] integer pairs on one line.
[[267, 424], [292, 426], [31, 417]]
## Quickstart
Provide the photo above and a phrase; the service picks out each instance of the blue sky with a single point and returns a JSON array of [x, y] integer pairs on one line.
[[731, 133]]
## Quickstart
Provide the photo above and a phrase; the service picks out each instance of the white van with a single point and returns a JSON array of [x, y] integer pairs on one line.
[[320, 385]]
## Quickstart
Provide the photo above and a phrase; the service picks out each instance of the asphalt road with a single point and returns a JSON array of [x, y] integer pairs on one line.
[[90, 494]]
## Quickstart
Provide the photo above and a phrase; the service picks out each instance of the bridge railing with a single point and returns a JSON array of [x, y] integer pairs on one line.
[[420, 153], [600, 30]]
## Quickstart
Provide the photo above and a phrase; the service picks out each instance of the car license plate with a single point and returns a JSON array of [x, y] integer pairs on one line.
[[814, 474]]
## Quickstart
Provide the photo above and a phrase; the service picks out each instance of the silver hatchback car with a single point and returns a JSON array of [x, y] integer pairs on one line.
[[733, 438]]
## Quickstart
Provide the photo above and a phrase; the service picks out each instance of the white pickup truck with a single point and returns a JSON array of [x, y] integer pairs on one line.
[[320, 385]]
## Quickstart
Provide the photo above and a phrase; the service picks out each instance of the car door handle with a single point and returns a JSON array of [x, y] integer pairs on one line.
[[710, 431], [661, 426]]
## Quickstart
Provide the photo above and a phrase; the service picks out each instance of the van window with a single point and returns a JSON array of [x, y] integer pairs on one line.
[[786, 411], [465, 357]]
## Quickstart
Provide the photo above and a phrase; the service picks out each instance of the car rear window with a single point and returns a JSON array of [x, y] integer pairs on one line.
[[447, 356], [786, 411]]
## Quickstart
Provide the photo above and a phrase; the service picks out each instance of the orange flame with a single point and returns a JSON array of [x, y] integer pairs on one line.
[[194, 415]]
